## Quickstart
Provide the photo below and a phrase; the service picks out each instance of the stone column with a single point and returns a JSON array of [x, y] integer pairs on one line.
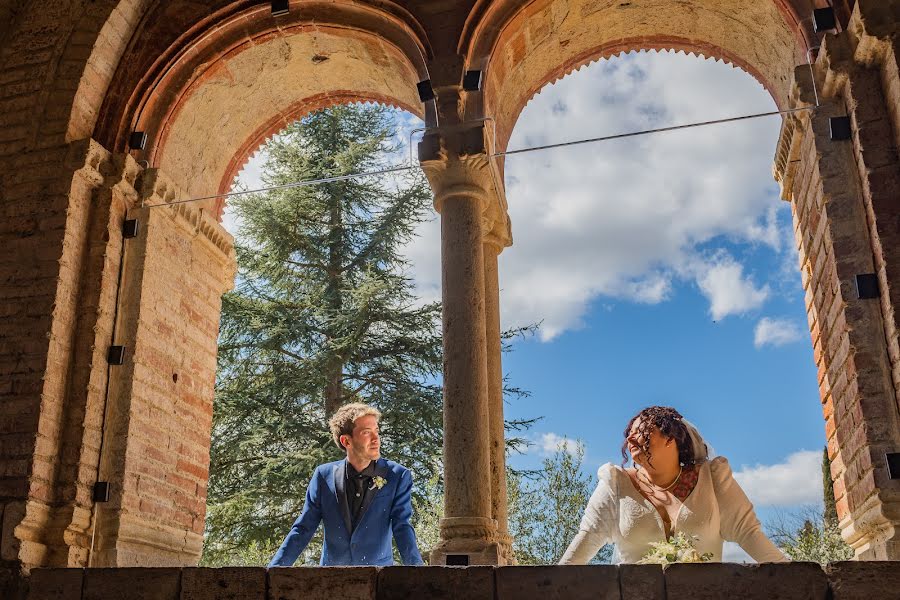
[[61, 228], [461, 186], [493, 245]]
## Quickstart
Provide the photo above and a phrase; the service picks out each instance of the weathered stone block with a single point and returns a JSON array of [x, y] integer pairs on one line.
[[55, 584], [571, 582], [642, 582], [436, 583], [863, 580], [13, 586], [714, 581], [131, 584], [322, 583], [234, 583]]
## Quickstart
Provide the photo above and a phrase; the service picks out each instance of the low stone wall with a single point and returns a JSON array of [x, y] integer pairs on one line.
[[800, 581]]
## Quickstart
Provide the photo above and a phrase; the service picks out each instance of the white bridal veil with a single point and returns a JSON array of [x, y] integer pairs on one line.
[[702, 450]]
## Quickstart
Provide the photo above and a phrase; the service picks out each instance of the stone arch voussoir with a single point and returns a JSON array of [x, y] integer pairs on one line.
[[523, 48]]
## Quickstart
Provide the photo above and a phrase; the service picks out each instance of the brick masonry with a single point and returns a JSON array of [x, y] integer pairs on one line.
[[845, 226], [159, 434], [209, 81]]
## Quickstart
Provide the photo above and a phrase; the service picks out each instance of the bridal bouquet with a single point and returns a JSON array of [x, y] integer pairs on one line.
[[678, 549]]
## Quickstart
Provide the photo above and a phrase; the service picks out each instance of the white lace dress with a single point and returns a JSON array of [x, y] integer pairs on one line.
[[716, 510]]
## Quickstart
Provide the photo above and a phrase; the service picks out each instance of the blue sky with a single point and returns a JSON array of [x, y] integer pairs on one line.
[[662, 268]]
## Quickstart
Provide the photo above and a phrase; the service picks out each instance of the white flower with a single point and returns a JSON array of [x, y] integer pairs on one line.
[[378, 482], [677, 549]]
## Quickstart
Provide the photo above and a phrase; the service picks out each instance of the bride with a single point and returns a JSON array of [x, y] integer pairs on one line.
[[673, 487]]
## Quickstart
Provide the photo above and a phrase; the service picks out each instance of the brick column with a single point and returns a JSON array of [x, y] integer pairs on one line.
[[843, 195], [156, 445], [61, 229], [461, 183]]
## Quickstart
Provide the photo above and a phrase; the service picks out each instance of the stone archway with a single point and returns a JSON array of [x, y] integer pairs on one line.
[[208, 87], [77, 77]]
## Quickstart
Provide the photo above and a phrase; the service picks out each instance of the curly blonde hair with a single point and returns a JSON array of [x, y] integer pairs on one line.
[[343, 419]]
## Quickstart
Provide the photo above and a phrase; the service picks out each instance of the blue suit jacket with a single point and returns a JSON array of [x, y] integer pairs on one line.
[[385, 511]]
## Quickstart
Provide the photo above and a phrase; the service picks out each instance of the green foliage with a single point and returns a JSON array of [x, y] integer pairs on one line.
[[810, 534], [545, 507], [806, 536], [322, 314]]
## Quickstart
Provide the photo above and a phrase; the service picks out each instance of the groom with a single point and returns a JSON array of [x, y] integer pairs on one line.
[[361, 499]]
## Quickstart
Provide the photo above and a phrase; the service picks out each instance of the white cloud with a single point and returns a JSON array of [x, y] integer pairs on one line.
[[775, 332], [549, 443], [732, 553], [723, 283], [796, 481], [623, 220]]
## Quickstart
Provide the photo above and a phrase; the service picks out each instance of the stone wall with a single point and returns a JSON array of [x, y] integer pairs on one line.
[[789, 581], [843, 196], [58, 207]]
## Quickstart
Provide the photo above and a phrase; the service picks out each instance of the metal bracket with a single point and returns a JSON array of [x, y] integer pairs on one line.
[[130, 229], [101, 491], [116, 355]]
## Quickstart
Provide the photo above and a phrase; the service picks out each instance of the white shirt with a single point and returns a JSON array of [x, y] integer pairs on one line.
[[716, 510]]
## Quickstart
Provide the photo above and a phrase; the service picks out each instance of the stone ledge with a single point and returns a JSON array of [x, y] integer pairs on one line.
[[229, 583], [322, 583], [575, 582], [854, 580], [788, 581]]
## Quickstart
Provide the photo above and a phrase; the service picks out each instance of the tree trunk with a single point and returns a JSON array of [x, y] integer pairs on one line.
[[334, 382]]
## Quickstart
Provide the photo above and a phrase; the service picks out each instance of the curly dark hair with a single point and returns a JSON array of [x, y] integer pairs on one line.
[[670, 424]]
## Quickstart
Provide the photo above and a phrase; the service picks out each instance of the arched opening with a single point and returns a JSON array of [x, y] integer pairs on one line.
[[522, 49], [664, 270], [323, 314], [207, 88], [160, 68]]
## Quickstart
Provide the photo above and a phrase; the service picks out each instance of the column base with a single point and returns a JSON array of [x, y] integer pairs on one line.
[[467, 541], [505, 542]]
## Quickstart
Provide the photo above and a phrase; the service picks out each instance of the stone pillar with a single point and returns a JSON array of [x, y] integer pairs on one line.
[[493, 245], [461, 184], [843, 196], [61, 224]]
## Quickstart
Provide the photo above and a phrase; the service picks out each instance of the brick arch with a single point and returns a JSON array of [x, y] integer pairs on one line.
[[259, 87], [129, 62], [113, 23], [521, 46], [176, 44]]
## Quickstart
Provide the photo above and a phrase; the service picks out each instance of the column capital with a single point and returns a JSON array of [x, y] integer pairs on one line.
[[459, 161], [452, 177], [499, 236]]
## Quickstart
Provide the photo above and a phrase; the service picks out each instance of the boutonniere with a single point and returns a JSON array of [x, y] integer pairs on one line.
[[378, 482]]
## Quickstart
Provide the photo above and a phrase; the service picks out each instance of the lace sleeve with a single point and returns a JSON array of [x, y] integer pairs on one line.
[[600, 517], [738, 519]]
